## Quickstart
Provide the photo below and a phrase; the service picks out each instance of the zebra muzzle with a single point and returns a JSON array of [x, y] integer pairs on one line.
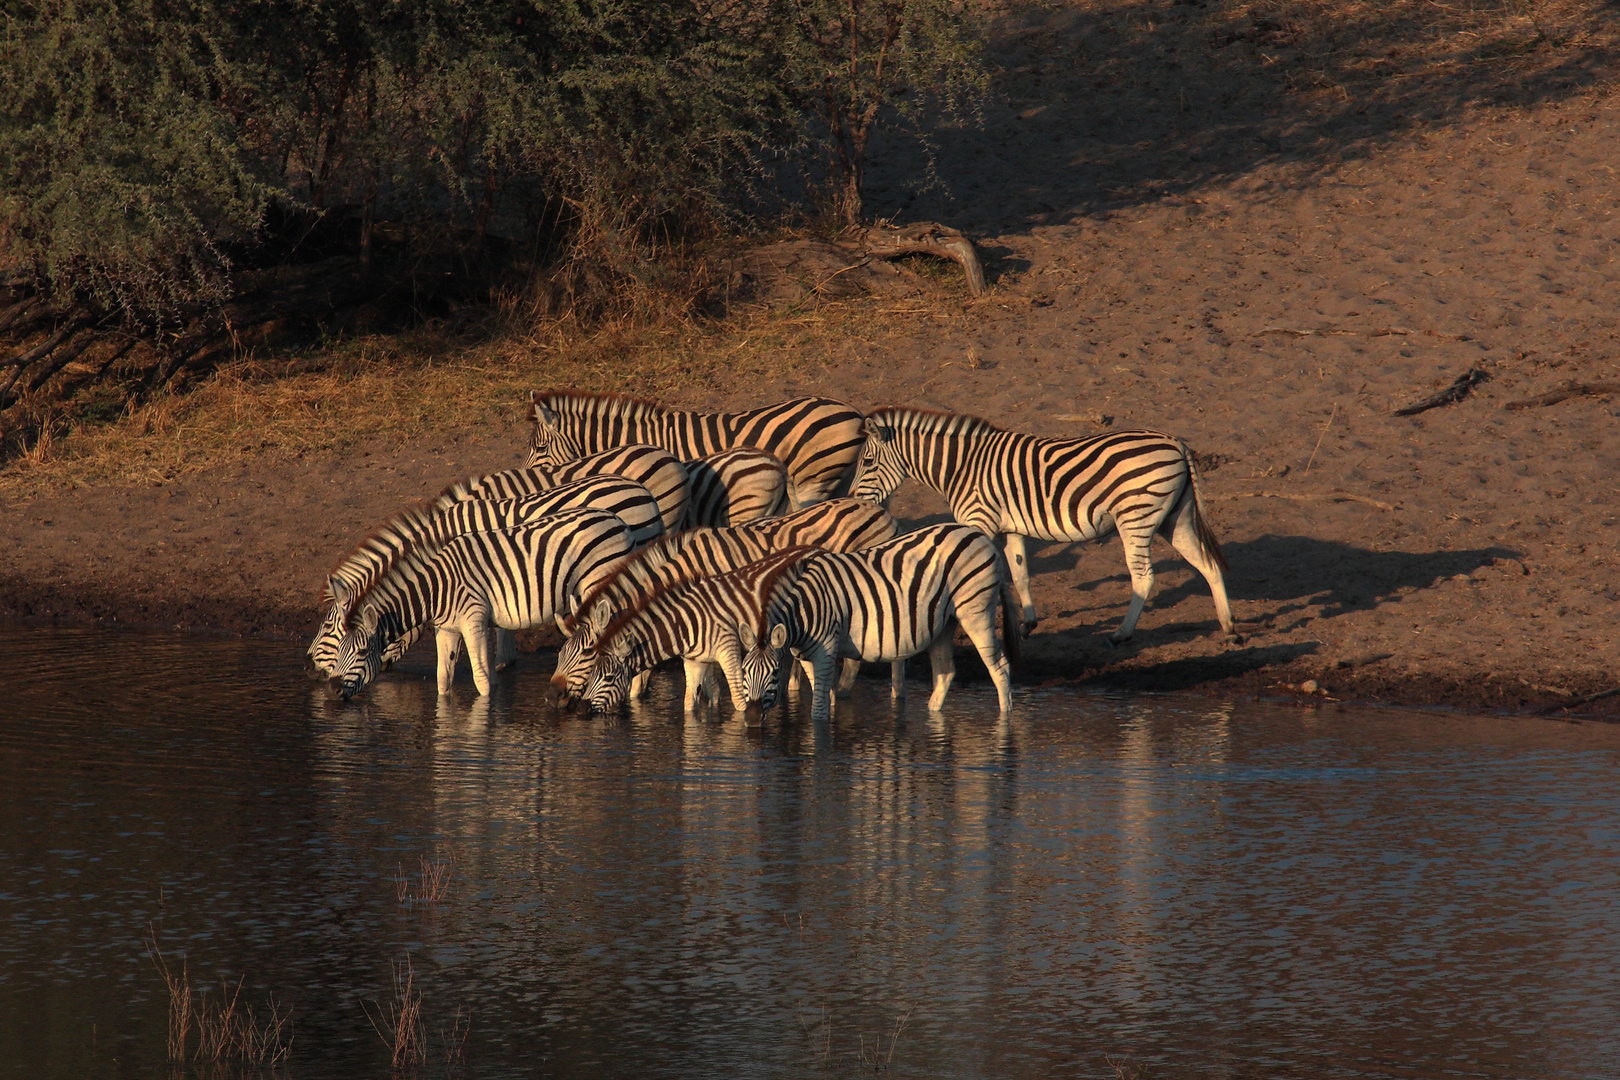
[[337, 691], [311, 670], [753, 715]]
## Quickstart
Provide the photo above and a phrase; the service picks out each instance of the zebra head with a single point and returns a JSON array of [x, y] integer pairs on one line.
[[577, 657], [359, 656], [761, 671], [321, 658], [549, 446], [881, 468], [608, 685]]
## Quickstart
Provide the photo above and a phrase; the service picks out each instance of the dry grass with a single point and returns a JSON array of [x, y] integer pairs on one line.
[[402, 387], [431, 885], [402, 1028], [226, 1028]]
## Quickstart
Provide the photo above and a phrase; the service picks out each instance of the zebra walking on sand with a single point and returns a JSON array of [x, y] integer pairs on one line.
[[513, 579], [837, 525], [1140, 483], [817, 439], [894, 600]]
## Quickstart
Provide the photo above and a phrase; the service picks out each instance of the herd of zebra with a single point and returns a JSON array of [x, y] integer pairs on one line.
[[756, 541]]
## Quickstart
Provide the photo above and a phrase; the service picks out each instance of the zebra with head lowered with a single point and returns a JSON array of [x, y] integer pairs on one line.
[[894, 600], [509, 578], [817, 439], [1140, 483], [428, 526], [838, 525], [704, 620]]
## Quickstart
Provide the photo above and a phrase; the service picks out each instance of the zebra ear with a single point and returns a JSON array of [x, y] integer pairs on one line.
[[778, 636], [745, 637], [872, 430], [542, 414], [598, 617]]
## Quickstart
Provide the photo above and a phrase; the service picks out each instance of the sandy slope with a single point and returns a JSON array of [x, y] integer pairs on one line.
[[1266, 274]]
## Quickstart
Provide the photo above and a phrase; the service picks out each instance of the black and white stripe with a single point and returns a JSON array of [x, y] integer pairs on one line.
[[508, 578], [710, 620], [893, 601], [817, 439], [1140, 483], [426, 527], [735, 486], [838, 525], [655, 469]]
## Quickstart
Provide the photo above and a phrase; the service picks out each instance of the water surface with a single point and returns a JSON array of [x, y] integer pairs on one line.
[[1183, 887]]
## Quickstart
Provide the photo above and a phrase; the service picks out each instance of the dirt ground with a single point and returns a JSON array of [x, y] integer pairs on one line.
[[1265, 263]]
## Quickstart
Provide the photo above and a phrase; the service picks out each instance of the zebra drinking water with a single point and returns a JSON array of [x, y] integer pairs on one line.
[[509, 578], [703, 620], [428, 526], [1140, 483], [894, 600], [817, 439], [838, 525]]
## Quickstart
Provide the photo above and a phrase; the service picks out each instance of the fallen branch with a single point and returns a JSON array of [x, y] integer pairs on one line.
[[1565, 390], [1455, 392], [925, 238], [1578, 702], [1336, 496]]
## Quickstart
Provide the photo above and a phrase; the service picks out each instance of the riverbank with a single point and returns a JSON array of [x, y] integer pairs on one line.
[[1272, 299]]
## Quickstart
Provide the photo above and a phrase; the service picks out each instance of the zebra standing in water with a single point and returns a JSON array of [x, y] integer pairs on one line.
[[838, 525], [893, 601], [653, 468], [702, 620], [735, 486], [508, 578], [1141, 483], [817, 439], [428, 526]]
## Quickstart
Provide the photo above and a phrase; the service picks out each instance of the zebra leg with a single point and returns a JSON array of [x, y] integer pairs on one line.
[[479, 653], [1139, 561], [1018, 563], [506, 652], [695, 675], [846, 678], [980, 626], [448, 640], [897, 680], [821, 680], [942, 656], [711, 683], [1183, 533], [639, 683]]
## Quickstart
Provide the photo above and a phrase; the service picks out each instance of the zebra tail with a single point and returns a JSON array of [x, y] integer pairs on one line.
[[1012, 609], [1206, 539]]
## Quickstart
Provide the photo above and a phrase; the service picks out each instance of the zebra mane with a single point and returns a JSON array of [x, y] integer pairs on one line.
[[931, 421], [553, 397], [779, 579], [666, 546], [418, 513]]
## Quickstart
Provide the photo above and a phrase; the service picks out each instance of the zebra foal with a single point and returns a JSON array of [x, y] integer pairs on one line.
[[508, 578], [891, 602], [837, 525], [1138, 483], [718, 620], [816, 439]]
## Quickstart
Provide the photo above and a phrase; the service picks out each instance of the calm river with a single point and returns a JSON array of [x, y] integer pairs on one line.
[[1106, 886]]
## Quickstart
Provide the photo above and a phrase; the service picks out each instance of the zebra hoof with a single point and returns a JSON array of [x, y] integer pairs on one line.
[[1234, 638], [1116, 640]]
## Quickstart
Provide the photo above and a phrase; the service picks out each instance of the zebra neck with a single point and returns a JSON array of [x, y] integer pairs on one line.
[[948, 462]]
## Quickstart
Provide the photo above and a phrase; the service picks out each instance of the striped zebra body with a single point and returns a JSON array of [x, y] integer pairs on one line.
[[426, 527], [1138, 483], [512, 579], [893, 601], [735, 486], [655, 469], [710, 620], [816, 439], [838, 525]]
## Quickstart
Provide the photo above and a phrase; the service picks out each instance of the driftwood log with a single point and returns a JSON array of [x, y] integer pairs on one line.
[[1565, 390], [1455, 392], [921, 238]]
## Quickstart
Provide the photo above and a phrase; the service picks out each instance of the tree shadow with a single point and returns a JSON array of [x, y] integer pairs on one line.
[[1105, 106]]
